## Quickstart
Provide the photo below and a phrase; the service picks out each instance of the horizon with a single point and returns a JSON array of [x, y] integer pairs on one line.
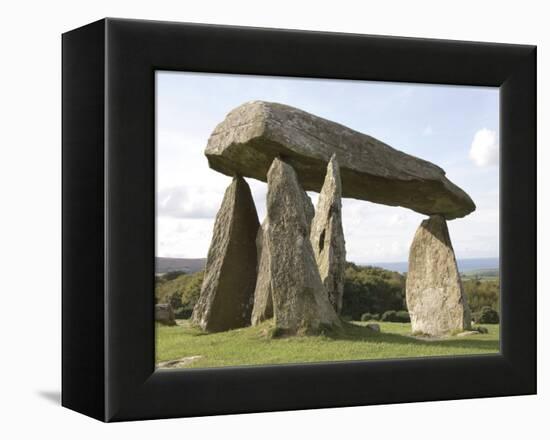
[[397, 266], [373, 262]]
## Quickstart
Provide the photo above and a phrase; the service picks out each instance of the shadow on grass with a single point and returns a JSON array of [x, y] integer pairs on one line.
[[352, 332]]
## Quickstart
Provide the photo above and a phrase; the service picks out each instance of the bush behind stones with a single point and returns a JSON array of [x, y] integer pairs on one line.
[[370, 317], [487, 315], [395, 316]]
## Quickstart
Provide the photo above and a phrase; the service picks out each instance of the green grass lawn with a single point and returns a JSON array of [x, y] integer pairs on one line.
[[253, 346]]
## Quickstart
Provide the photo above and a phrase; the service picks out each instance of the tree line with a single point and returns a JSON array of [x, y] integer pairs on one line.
[[368, 290]]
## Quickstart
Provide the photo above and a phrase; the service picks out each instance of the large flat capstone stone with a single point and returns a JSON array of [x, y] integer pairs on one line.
[[252, 135]]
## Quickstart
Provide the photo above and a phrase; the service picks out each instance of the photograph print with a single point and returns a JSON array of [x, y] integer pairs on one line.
[[304, 220]]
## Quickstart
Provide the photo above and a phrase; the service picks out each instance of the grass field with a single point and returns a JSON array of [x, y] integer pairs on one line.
[[253, 346]]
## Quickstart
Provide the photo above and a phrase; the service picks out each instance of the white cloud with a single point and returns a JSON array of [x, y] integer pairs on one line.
[[397, 219], [428, 131], [484, 150], [259, 194], [183, 238], [189, 202], [377, 233]]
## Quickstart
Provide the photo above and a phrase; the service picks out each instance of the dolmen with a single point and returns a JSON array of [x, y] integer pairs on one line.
[[291, 267]]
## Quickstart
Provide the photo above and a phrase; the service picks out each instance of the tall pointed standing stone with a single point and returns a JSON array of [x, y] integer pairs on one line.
[[227, 290], [263, 299], [435, 297], [300, 301], [327, 235]]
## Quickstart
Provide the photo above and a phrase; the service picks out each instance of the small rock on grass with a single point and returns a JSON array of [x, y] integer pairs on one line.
[[178, 363], [373, 327], [483, 330], [474, 331], [468, 333]]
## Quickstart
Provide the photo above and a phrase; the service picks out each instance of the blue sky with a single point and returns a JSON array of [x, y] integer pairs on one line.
[[455, 127]]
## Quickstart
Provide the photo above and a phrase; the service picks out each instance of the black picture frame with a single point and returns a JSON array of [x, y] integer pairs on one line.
[[109, 218]]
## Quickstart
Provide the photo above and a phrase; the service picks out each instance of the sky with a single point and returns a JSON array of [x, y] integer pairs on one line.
[[455, 127]]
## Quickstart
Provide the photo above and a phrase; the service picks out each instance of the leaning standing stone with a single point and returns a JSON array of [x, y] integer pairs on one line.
[[300, 301], [263, 300], [327, 236], [227, 290], [435, 298]]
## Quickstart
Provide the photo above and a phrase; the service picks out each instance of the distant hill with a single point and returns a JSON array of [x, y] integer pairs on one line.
[[468, 266], [188, 265], [464, 265], [482, 273]]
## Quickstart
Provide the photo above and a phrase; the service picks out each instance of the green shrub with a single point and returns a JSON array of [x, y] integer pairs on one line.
[[393, 316], [183, 313], [487, 315], [482, 330], [482, 293], [181, 292], [372, 290], [169, 276], [403, 316], [370, 317]]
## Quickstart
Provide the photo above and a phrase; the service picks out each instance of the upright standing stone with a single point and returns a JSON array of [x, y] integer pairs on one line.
[[227, 290], [263, 299], [435, 298], [327, 236], [300, 301]]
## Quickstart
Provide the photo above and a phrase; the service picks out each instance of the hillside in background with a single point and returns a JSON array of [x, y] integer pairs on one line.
[[468, 266], [465, 265], [187, 265], [367, 289]]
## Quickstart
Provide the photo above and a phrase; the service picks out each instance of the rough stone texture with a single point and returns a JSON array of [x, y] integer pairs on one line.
[[327, 236], [263, 300], [227, 290], [164, 314], [435, 298], [253, 134], [300, 301]]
